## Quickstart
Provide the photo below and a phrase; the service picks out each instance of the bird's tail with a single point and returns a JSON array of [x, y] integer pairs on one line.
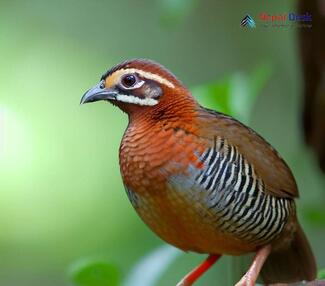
[[293, 264]]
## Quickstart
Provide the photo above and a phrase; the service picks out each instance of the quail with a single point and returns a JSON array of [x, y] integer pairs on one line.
[[203, 181]]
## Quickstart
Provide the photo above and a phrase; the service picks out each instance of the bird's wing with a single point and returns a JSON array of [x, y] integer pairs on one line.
[[265, 160]]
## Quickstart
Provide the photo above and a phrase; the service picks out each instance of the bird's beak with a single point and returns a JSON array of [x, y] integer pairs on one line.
[[98, 92]]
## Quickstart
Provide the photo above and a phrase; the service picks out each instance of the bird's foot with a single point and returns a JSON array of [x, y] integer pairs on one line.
[[183, 282], [251, 275], [245, 281], [197, 272]]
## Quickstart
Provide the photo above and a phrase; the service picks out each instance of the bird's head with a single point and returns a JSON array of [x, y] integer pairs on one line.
[[138, 86]]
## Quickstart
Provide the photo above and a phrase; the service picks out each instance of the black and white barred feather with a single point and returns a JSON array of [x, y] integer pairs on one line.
[[236, 196]]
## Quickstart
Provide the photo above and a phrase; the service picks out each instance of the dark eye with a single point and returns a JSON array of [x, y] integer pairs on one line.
[[129, 80]]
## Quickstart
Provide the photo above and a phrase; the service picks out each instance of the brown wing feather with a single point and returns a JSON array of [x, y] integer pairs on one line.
[[268, 164]]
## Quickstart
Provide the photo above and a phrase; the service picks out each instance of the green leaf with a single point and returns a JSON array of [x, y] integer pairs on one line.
[[321, 274], [244, 91], [149, 269], [214, 95], [94, 273], [236, 94]]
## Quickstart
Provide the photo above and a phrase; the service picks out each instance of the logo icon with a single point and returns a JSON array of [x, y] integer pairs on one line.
[[248, 22]]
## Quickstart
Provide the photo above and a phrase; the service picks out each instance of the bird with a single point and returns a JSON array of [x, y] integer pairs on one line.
[[203, 181]]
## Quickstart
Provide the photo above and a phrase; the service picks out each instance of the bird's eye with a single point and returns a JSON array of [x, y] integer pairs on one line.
[[129, 80]]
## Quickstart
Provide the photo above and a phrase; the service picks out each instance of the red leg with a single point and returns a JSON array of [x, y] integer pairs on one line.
[[197, 272], [251, 275]]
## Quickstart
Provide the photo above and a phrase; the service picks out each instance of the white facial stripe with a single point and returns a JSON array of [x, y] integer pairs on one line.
[[136, 100], [149, 75]]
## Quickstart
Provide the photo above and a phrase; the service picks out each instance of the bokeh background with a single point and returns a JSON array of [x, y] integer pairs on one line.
[[62, 203]]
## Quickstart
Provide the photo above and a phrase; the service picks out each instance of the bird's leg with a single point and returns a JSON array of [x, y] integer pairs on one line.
[[251, 275], [198, 271]]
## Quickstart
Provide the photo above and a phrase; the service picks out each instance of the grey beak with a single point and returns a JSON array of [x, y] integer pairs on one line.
[[98, 92]]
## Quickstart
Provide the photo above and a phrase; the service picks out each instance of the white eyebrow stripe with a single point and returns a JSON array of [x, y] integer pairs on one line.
[[136, 100], [149, 75]]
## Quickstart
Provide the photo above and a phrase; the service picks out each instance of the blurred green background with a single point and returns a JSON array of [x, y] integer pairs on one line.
[[61, 196]]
